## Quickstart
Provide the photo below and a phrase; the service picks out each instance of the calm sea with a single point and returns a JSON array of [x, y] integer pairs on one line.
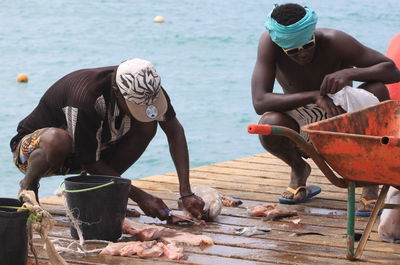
[[204, 52]]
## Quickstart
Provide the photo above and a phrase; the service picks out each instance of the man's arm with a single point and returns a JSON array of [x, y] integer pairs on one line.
[[179, 152], [180, 155], [263, 78], [369, 65]]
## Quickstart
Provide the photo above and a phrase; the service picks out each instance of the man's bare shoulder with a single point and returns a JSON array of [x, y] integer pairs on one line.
[[332, 35], [265, 39], [267, 49]]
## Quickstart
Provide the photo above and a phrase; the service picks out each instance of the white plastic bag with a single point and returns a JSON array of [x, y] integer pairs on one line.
[[350, 98]]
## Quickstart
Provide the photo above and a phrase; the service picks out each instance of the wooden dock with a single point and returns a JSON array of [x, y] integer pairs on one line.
[[255, 180]]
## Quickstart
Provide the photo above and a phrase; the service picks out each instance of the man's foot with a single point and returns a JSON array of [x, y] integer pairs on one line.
[[310, 190], [367, 200], [298, 178], [32, 187]]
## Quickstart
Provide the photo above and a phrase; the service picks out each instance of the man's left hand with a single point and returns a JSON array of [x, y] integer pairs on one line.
[[194, 205]]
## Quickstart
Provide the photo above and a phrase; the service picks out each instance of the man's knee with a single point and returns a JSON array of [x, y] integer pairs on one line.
[[274, 142], [378, 89], [279, 119], [56, 141]]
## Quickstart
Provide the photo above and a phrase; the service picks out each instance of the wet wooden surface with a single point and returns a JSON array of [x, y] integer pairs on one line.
[[254, 180]]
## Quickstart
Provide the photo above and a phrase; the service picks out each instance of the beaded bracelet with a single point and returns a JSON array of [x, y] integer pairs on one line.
[[185, 196]]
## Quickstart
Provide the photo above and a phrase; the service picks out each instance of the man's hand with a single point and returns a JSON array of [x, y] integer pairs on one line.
[[326, 103], [194, 205], [334, 82], [152, 206]]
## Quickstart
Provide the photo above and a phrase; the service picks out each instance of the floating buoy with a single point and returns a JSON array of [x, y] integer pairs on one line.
[[393, 52], [158, 19], [22, 78]]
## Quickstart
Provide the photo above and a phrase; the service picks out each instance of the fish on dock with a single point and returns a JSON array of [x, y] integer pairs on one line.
[[269, 212]]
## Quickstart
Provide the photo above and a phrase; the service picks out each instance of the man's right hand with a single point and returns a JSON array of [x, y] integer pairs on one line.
[[152, 206], [326, 103], [334, 82]]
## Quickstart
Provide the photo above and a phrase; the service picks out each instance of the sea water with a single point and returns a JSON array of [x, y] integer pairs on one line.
[[204, 51]]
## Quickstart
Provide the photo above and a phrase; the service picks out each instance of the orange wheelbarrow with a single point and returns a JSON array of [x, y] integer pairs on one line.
[[362, 146]]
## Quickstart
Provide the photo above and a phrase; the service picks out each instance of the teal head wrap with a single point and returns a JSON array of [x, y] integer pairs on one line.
[[293, 35]]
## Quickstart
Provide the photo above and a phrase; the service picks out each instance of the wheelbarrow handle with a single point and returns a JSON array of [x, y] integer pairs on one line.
[[266, 129]]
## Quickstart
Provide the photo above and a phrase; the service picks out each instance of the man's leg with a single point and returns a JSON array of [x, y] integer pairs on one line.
[[48, 156], [370, 193], [283, 148]]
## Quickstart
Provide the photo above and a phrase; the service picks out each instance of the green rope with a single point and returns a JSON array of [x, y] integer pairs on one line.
[[14, 207], [89, 189], [31, 218]]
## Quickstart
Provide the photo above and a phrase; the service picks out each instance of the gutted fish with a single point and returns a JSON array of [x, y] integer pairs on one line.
[[146, 249], [212, 201], [253, 230], [114, 249], [228, 201], [260, 210], [154, 232], [270, 212], [173, 252]]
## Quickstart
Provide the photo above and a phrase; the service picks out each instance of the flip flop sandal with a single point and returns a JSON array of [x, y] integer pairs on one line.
[[311, 190], [365, 202]]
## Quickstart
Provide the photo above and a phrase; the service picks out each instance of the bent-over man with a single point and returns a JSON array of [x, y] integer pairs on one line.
[[100, 121]]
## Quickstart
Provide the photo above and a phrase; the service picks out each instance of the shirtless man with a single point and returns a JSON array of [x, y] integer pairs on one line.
[[310, 63]]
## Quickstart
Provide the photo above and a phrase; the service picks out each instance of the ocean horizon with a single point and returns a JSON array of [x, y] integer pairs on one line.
[[204, 52]]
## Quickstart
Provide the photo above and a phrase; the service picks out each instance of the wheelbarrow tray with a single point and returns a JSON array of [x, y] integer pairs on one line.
[[355, 145]]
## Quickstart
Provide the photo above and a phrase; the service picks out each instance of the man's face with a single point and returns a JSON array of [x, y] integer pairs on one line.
[[121, 102], [303, 54]]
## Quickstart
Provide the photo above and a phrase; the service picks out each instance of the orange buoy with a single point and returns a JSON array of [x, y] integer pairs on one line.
[[22, 78], [158, 19], [393, 52]]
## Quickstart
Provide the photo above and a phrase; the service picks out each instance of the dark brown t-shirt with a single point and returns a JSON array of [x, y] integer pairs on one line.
[[82, 103]]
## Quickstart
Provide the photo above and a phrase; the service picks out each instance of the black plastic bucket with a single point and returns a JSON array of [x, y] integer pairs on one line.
[[13, 233], [100, 211]]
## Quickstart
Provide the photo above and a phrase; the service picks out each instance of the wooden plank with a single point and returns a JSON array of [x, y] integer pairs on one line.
[[266, 187], [257, 179], [271, 172], [318, 202], [226, 244], [280, 181], [333, 236]]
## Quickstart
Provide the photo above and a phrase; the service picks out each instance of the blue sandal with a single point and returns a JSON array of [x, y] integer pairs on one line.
[[311, 190]]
